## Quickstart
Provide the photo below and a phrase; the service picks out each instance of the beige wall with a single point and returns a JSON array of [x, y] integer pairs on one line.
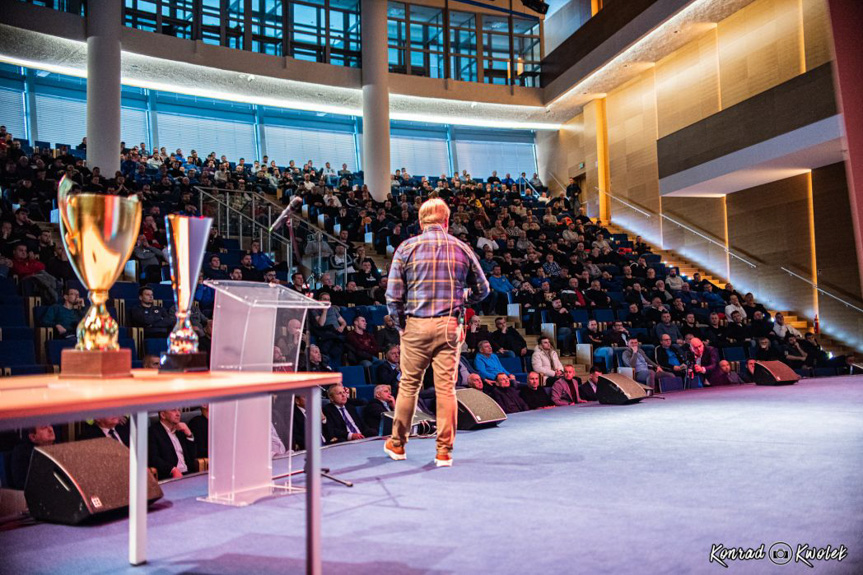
[[758, 48], [632, 134], [710, 215], [836, 256], [771, 224]]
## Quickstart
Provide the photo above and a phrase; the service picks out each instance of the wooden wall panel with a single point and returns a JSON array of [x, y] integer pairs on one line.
[[817, 39], [687, 85], [760, 47], [708, 214], [632, 134], [560, 153], [771, 223], [591, 158], [836, 256]]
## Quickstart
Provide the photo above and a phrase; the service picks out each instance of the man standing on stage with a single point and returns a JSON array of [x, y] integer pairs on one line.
[[426, 297]]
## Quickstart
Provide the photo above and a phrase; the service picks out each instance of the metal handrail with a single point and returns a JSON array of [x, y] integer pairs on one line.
[[821, 290], [625, 203], [687, 228]]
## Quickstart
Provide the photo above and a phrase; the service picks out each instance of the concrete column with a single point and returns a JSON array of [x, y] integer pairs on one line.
[[104, 26], [376, 99], [846, 18]]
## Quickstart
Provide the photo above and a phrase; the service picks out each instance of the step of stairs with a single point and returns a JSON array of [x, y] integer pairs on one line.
[[688, 269]]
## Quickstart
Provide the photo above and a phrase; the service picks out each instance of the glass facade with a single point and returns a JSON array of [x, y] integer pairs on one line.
[[326, 31], [235, 129], [491, 46]]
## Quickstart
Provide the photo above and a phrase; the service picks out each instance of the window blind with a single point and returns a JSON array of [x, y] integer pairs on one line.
[[481, 158], [233, 139], [60, 120], [12, 111], [420, 156], [284, 144]]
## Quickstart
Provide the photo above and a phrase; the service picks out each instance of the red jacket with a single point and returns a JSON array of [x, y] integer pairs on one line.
[[26, 268]]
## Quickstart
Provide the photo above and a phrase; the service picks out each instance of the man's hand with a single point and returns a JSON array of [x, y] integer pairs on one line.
[[353, 436], [699, 369], [60, 329], [182, 427], [176, 473], [523, 351]]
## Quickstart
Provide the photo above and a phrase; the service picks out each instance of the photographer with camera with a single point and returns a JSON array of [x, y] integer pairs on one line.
[[702, 362]]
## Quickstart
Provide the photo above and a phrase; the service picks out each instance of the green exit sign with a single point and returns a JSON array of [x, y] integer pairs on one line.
[[581, 166]]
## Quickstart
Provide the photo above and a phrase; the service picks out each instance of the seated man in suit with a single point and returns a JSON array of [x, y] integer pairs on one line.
[[645, 370], [533, 395], [200, 426], [507, 396], [669, 357], [107, 427], [389, 373], [587, 390], [343, 422], [705, 361], [172, 446], [725, 376], [565, 390], [19, 465], [374, 411]]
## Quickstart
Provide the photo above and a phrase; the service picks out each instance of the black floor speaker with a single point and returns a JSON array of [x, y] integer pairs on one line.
[[774, 373], [477, 410], [423, 423], [617, 389], [71, 482]]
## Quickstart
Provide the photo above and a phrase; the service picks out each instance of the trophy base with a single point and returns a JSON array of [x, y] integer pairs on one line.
[[76, 363], [183, 362]]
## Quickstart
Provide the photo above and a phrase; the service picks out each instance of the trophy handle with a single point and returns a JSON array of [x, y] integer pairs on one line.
[[63, 189]]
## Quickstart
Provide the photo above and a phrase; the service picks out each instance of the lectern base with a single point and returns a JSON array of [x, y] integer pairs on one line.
[[183, 362], [97, 363], [250, 496]]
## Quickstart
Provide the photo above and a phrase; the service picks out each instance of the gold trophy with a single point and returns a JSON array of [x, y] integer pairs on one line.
[[99, 234], [187, 242]]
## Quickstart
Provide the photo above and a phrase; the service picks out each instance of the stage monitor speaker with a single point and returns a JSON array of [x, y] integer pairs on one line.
[[774, 373], [423, 422], [617, 389], [71, 482], [477, 410]]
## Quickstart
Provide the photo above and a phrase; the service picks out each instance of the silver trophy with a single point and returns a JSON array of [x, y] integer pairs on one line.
[[187, 242]]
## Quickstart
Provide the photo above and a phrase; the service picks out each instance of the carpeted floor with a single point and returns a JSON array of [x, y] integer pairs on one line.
[[646, 488]]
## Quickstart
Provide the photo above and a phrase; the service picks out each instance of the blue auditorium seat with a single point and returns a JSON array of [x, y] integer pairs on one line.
[[605, 315], [353, 375], [155, 345], [124, 290], [734, 354], [17, 353], [512, 364], [12, 333], [580, 316], [12, 316]]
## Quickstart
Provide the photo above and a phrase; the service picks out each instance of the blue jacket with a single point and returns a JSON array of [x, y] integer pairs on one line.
[[489, 367]]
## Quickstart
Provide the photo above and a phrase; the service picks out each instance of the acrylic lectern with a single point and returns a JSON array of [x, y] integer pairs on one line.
[[247, 319]]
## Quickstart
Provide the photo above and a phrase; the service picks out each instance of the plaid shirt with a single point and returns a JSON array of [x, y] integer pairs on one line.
[[424, 283]]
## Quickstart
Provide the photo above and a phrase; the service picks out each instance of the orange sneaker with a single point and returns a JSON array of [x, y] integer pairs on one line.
[[443, 459], [395, 452]]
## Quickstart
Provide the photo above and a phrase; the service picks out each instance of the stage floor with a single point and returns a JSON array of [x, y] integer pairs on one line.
[[646, 488]]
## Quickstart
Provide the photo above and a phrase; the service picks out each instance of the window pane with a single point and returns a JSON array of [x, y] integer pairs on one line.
[[61, 120], [481, 158], [285, 144], [233, 139], [12, 112], [421, 156]]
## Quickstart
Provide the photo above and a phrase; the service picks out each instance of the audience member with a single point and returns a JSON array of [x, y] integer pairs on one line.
[[565, 390], [172, 450], [488, 364], [360, 345], [587, 390], [19, 461], [545, 360], [533, 395], [65, 317], [373, 412], [113, 427], [343, 422], [507, 396]]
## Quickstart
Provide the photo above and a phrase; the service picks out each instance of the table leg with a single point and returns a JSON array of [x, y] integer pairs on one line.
[[313, 481], [138, 488]]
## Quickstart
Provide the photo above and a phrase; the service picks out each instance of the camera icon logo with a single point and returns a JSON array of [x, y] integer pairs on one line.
[[780, 553]]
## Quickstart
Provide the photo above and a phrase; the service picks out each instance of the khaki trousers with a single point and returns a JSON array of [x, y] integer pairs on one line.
[[424, 342]]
